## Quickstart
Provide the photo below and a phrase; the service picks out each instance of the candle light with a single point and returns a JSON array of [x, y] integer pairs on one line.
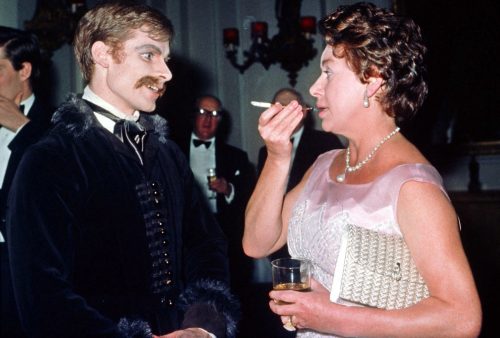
[[295, 32], [259, 30], [308, 24], [77, 5], [231, 37]]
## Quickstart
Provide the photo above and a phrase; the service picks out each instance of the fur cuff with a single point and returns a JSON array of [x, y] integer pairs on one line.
[[134, 328], [210, 305]]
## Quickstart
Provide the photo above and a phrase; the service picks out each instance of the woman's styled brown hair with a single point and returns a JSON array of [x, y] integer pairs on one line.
[[376, 42], [112, 23]]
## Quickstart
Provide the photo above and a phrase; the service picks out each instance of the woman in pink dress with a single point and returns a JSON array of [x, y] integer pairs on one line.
[[371, 78]]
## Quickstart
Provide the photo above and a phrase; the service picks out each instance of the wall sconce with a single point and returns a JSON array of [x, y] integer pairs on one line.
[[292, 47], [54, 22]]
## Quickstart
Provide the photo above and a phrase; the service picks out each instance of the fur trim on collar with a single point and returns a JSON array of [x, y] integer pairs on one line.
[[75, 117], [209, 304]]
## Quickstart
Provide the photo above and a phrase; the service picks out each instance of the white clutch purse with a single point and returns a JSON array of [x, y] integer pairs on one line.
[[376, 270]]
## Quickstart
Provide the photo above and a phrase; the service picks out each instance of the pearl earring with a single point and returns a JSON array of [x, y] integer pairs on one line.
[[366, 102]]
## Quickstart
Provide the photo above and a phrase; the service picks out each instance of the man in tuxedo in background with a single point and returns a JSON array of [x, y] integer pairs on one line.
[[308, 144], [23, 119], [229, 192]]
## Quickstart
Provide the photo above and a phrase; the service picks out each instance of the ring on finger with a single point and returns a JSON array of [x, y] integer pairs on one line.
[[289, 325]]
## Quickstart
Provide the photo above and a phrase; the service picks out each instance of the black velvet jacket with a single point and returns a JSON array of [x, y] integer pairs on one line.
[[102, 246]]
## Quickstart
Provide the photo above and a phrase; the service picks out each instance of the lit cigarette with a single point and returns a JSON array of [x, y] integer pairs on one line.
[[260, 104], [267, 105]]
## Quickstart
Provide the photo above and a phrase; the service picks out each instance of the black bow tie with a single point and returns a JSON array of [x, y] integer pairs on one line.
[[131, 133], [21, 108], [198, 143]]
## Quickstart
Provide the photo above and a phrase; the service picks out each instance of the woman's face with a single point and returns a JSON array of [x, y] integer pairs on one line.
[[339, 94]]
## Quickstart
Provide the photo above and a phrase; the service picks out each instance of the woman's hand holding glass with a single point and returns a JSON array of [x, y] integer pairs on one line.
[[302, 309], [291, 274]]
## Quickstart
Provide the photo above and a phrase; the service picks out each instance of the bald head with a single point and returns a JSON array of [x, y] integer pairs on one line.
[[287, 95]]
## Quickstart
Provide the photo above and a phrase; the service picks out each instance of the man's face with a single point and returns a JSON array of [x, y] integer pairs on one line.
[[137, 75], [11, 83], [206, 121]]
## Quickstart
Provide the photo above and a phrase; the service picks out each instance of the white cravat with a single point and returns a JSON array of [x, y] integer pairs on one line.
[[6, 136], [106, 122]]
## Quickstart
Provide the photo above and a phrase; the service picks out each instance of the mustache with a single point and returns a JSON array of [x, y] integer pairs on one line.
[[151, 81]]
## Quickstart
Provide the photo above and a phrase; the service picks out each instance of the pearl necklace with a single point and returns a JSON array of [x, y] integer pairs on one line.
[[348, 169]]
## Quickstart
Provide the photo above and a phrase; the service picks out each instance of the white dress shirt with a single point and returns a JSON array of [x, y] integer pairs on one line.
[[296, 139], [6, 136], [201, 159]]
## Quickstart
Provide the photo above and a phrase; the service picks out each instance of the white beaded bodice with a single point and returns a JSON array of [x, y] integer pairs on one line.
[[326, 206]]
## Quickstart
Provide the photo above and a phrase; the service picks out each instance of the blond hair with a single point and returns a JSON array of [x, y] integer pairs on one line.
[[112, 23]]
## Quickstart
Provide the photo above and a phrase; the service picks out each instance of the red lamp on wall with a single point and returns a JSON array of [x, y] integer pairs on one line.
[[292, 47], [308, 25]]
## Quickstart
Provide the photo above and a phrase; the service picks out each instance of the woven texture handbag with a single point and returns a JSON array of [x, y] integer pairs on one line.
[[377, 270]]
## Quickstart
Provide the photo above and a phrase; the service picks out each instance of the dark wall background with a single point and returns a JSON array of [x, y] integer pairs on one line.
[[463, 40]]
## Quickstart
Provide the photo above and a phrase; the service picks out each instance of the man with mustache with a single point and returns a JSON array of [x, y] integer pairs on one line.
[[110, 234]]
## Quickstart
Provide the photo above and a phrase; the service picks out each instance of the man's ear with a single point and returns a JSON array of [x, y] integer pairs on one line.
[[25, 71], [373, 85], [100, 54]]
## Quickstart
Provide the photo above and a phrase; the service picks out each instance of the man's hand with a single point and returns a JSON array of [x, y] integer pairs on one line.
[[187, 333], [10, 116], [221, 186]]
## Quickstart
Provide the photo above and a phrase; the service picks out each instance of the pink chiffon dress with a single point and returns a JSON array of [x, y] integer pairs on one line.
[[325, 207]]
